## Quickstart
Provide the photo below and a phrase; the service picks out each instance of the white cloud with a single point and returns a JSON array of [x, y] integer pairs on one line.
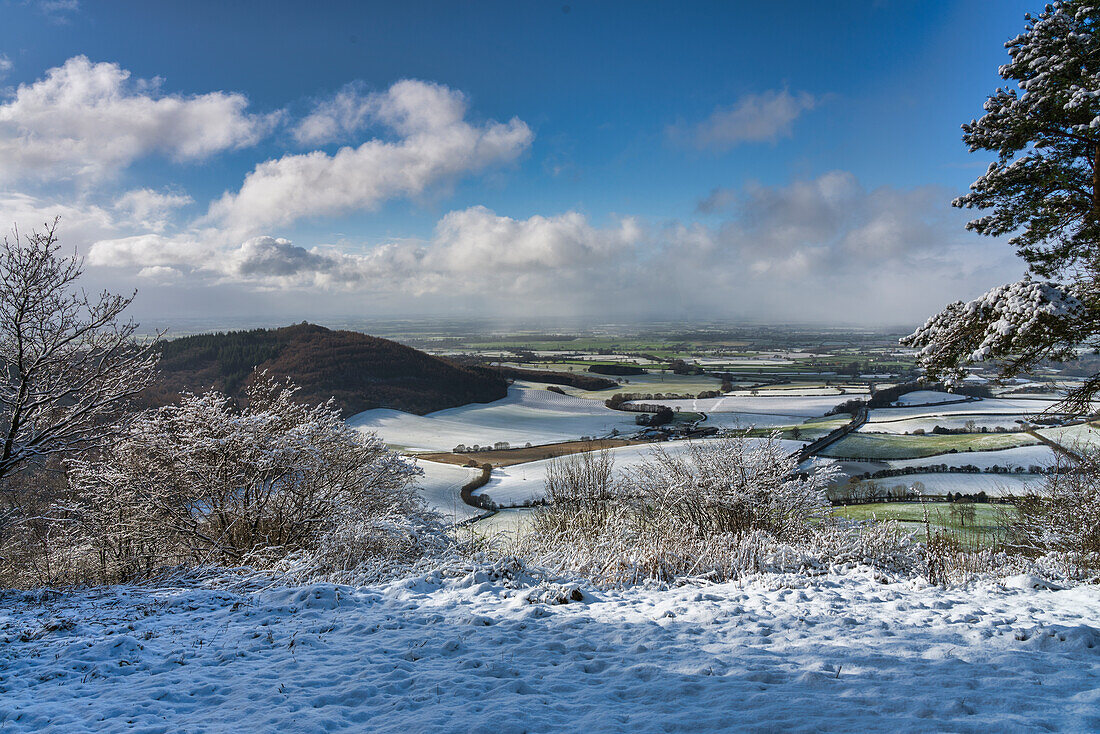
[[58, 10], [476, 240], [149, 209], [435, 145], [754, 118], [820, 249], [149, 250], [5, 66], [81, 224], [336, 119], [159, 274], [87, 119]]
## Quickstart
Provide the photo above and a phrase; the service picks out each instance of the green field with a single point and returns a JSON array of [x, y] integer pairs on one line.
[[895, 446], [811, 430], [988, 523]]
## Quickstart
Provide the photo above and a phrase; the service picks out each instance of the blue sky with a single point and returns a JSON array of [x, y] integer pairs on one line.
[[826, 136]]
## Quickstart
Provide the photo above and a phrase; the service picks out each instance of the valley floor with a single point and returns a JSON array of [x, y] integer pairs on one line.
[[468, 651]]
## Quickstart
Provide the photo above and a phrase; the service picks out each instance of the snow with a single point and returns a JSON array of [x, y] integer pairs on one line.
[[1020, 407], [1009, 319], [926, 397], [1020, 456], [514, 485], [752, 420], [1081, 436], [994, 485], [806, 406], [469, 652], [440, 486], [528, 414], [927, 423]]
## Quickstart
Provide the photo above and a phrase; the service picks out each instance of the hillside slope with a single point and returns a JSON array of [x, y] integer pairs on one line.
[[360, 371]]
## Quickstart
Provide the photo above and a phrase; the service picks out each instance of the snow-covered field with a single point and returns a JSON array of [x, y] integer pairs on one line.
[[1006, 406], [528, 414], [840, 652], [994, 485], [926, 397], [927, 423], [807, 406], [1020, 456], [1079, 436], [789, 390], [514, 485], [440, 486], [752, 420]]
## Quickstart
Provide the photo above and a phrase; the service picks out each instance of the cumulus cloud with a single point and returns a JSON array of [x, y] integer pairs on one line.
[[336, 119], [819, 249], [159, 274], [717, 200], [80, 223], [149, 209], [91, 120], [435, 145], [500, 252], [754, 118]]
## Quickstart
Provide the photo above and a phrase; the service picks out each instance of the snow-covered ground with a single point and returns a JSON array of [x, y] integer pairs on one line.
[[752, 420], [1081, 436], [1005, 406], [841, 652], [514, 485], [528, 414], [927, 423], [1019, 456], [994, 485], [789, 390], [926, 397], [440, 486], [807, 406]]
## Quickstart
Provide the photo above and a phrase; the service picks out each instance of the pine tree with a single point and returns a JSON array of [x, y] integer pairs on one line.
[[1044, 191]]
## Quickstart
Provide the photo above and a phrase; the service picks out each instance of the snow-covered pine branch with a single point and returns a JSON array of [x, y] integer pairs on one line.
[[1043, 192], [1017, 324]]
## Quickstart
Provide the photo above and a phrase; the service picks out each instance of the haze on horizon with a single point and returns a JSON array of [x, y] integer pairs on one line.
[[780, 162]]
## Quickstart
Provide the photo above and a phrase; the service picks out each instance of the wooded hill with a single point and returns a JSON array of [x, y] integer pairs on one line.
[[360, 371]]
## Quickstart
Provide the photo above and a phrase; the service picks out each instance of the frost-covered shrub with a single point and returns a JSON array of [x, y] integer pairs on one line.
[[732, 486], [883, 545], [1062, 518], [38, 545], [205, 482], [722, 509], [581, 493]]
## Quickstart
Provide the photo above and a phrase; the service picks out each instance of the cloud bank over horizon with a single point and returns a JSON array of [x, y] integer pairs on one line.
[[287, 237]]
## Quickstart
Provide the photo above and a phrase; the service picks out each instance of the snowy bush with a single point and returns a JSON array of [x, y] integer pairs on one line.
[[732, 486], [1062, 518], [581, 490], [204, 482], [722, 509]]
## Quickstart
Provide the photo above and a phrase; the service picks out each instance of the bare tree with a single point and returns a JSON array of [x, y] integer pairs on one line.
[[70, 364]]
